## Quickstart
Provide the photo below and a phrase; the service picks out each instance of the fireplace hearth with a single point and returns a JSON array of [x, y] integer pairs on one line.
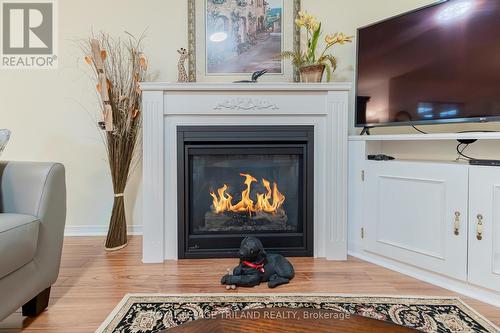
[[244, 180]]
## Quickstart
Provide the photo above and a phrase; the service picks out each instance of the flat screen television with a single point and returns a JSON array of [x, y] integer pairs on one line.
[[437, 64]]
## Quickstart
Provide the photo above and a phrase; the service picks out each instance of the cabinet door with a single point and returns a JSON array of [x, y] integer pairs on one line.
[[484, 227], [416, 213]]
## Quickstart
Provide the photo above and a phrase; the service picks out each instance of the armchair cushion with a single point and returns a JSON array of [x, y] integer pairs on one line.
[[18, 241]]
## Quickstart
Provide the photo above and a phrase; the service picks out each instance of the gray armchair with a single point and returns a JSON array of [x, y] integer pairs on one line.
[[32, 218]]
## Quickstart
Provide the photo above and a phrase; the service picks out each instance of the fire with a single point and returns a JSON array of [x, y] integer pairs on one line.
[[268, 202]]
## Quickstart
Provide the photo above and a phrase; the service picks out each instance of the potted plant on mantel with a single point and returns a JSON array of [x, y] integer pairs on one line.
[[310, 63]]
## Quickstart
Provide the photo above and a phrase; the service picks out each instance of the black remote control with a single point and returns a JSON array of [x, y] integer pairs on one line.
[[380, 157]]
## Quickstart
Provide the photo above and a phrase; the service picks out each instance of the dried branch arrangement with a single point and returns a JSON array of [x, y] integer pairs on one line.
[[118, 66]]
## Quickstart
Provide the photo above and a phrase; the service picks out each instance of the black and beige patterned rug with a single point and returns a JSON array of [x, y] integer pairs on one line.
[[154, 313]]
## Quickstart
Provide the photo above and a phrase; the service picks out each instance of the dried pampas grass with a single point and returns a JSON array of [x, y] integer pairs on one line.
[[118, 66]]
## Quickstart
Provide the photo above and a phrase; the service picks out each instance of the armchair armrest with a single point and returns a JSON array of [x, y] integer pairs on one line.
[[38, 189], [25, 186]]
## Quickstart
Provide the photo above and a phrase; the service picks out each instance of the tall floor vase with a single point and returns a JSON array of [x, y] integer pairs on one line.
[[117, 232], [120, 154]]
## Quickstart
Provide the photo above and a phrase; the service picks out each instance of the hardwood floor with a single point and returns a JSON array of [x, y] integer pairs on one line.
[[92, 282]]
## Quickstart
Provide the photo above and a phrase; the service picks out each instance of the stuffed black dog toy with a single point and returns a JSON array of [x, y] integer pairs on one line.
[[256, 266]]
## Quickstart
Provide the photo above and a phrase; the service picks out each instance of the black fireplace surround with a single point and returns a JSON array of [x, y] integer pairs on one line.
[[235, 181]]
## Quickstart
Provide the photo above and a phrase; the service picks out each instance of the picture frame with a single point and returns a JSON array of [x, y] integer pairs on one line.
[[228, 40]]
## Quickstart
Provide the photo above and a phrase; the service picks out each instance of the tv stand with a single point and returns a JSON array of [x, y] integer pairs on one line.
[[366, 130], [425, 214]]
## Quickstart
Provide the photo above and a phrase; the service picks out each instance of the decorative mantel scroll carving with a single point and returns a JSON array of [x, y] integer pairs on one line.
[[245, 104]]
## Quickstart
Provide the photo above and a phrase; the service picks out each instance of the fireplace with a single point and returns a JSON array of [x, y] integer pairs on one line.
[[165, 158], [246, 180]]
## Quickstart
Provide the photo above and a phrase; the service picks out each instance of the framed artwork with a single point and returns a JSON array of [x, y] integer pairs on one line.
[[231, 39]]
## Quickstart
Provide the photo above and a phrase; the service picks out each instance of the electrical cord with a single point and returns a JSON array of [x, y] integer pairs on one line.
[[461, 147], [461, 150], [418, 130]]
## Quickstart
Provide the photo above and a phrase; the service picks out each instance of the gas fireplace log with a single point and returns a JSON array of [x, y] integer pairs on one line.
[[241, 221]]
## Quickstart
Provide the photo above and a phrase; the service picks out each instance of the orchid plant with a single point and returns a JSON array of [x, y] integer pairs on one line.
[[311, 56]]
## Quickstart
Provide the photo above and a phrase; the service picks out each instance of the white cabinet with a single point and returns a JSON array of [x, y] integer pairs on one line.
[[484, 227], [420, 214], [416, 213]]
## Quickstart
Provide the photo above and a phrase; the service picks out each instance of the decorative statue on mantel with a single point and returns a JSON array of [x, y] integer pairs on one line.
[[255, 77], [183, 77], [257, 266]]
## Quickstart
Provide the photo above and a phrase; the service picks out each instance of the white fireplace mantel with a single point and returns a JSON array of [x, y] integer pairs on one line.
[[168, 105]]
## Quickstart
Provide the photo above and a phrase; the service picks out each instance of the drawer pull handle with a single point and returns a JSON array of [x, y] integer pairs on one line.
[[457, 223], [480, 225]]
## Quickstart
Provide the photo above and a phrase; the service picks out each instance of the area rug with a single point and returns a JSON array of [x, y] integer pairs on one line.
[[143, 313]]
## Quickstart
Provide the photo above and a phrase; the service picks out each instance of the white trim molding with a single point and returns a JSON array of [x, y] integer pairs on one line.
[[261, 86], [428, 137], [464, 288], [169, 105]]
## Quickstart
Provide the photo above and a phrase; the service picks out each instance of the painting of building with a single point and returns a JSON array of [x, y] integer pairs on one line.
[[243, 36]]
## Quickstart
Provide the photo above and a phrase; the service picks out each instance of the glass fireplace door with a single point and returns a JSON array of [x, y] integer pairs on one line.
[[251, 193], [261, 186]]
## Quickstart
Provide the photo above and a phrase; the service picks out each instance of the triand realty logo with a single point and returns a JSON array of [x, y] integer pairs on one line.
[[29, 34]]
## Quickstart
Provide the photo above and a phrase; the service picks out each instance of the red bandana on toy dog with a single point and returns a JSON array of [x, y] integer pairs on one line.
[[259, 266]]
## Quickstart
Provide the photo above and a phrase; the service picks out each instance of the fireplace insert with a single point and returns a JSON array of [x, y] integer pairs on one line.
[[235, 181]]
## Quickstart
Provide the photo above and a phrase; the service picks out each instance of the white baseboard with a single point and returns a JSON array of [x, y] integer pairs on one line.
[[464, 288], [97, 230]]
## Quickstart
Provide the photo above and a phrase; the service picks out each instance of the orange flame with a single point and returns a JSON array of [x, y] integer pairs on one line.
[[223, 201]]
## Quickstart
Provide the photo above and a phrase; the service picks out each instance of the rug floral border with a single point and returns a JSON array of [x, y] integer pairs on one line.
[[129, 300]]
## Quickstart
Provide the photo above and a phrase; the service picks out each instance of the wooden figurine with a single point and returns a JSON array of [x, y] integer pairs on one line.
[[183, 77]]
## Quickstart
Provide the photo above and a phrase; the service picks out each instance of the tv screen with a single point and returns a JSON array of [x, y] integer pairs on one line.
[[437, 64]]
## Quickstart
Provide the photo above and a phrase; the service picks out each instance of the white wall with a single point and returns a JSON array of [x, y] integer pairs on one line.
[[53, 113]]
